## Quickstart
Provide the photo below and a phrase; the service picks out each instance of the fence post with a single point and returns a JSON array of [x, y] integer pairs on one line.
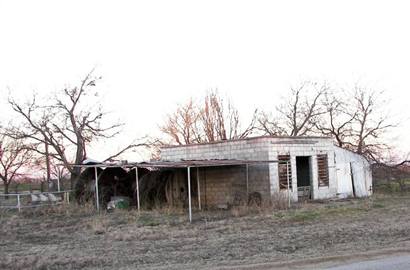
[[18, 202]]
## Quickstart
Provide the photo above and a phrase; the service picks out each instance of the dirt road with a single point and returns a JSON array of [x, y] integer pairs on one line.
[[68, 239]]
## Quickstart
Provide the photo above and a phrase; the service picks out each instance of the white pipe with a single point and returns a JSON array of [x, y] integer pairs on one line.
[[247, 182], [18, 202], [58, 184], [137, 188], [189, 194], [199, 188], [96, 189], [287, 173]]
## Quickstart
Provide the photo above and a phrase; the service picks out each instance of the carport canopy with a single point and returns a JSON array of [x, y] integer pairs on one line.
[[181, 164]]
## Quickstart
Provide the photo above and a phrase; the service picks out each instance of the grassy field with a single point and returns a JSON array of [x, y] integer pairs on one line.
[[77, 238]]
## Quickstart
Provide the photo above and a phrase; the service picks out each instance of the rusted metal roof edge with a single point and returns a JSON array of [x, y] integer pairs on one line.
[[178, 164]]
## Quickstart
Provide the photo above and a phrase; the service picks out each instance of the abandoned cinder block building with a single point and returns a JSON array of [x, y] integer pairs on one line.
[[311, 167]]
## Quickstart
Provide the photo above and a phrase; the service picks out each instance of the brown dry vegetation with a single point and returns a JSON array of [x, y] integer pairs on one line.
[[77, 238]]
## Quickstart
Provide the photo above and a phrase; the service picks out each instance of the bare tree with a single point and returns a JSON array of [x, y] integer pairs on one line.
[[357, 120], [182, 125], [220, 120], [270, 125], [299, 112], [211, 119], [66, 125], [53, 169], [370, 123], [14, 155], [337, 121]]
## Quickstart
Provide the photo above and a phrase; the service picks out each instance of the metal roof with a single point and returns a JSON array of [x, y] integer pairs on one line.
[[177, 164]]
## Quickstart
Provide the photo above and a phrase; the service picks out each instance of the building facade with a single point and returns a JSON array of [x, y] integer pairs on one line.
[[302, 167]]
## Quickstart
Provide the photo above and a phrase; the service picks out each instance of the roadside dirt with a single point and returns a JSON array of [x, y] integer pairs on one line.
[[78, 239]]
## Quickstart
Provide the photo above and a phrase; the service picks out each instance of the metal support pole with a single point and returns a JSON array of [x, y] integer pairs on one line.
[[137, 188], [199, 188], [247, 182], [97, 200], [189, 194], [287, 173], [68, 197], [18, 202], [58, 184]]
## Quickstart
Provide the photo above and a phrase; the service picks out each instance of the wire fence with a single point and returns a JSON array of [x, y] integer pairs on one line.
[[33, 199]]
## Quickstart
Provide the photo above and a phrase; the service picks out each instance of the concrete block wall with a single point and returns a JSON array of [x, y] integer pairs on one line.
[[222, 186], [224, 182], [255, 149], [234, 177], [259, 180]]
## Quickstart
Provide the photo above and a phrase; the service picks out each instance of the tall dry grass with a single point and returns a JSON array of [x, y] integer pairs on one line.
[[279, 201]]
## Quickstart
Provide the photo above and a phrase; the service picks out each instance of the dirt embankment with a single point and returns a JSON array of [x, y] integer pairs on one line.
[[77, 239]]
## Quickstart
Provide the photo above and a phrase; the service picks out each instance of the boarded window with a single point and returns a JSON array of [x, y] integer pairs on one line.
[[322, 170], [284, 170]]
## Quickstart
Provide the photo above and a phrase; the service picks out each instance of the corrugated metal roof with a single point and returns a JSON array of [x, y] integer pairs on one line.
[[177, 164]]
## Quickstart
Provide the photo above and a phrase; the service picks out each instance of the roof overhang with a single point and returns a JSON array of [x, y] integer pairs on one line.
[[177, 164]]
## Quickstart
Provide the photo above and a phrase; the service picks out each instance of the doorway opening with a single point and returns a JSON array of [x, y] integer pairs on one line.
[[303, 172]]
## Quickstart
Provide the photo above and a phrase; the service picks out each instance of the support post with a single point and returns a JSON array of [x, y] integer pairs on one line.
[[97, 200], [287, 173], [68, 197], [58, 184], [189, 194], [18, 202], [137, 188], [199, 188], [247, 182]]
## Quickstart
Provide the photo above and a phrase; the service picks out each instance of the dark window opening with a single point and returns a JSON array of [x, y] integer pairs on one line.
[[285, 171], [322, 170], [303, 171]]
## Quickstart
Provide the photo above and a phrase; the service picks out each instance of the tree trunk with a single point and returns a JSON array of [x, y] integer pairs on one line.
[[74, 177], [47, 164], [6, 190]]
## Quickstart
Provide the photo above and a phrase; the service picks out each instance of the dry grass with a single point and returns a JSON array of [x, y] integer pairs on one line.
[[240, 211], [280, 201], [98, 224], [79, 238]]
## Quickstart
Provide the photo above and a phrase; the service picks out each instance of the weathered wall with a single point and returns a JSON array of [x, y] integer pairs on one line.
[[348, 165], [222, 184], [310, 146]]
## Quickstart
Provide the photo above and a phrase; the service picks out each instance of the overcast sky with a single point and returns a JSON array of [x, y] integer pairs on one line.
[[154, 54]]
